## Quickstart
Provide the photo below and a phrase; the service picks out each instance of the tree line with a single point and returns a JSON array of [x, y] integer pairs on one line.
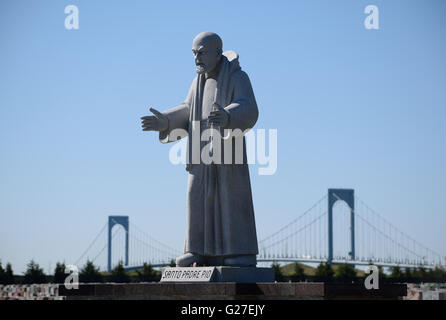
[[347, 273], [89, 273]]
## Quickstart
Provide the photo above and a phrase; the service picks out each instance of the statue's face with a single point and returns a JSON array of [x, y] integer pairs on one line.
[[206, 55]]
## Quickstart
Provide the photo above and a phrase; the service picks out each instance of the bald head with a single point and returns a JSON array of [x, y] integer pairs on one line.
[[210, 39], [207, 49]]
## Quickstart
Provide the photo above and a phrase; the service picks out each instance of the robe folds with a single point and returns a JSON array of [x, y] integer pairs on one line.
[[220, 213]]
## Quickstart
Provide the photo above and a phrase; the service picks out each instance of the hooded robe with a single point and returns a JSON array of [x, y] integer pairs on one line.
[[220, 213]]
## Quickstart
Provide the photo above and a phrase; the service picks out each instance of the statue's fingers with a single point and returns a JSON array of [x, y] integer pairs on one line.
[[148, 128], [147, 117], [215, 120], [149, 121], [148, 124], [215, 112], [215, 116]]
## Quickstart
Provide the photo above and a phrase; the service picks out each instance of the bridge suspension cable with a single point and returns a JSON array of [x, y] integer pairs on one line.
[[91, 244], [294, 221], [299, 238], [114, 233], [401, 239], [166, 248], [282, 240]]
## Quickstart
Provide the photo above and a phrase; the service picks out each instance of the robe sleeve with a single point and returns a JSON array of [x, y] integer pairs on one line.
[[243, 111], [178, 118]]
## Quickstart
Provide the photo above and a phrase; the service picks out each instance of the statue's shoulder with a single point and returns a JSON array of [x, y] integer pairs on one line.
[[239, 76]]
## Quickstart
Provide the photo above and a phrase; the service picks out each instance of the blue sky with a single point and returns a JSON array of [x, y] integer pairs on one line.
[[354, 108]]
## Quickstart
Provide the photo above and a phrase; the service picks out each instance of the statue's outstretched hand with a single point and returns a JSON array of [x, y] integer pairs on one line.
[[157, 122], [218, 116]]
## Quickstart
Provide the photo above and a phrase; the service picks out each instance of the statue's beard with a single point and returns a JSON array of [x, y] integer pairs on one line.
[[201, 68]]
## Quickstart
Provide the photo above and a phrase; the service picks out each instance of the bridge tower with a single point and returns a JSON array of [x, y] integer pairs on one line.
[[124, 222], [348, 196]]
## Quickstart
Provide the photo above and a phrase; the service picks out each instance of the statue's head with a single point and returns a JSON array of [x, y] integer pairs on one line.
[[207, 49]]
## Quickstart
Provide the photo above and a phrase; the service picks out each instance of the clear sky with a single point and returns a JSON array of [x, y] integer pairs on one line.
[[354, 108]]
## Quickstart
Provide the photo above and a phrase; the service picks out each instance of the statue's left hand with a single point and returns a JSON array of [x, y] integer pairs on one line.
[[219, 116]]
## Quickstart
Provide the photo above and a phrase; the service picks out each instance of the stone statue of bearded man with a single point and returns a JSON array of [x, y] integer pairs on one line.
[[220, 214]]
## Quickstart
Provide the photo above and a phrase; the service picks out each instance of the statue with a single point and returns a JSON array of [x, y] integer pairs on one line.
[[220, 214]]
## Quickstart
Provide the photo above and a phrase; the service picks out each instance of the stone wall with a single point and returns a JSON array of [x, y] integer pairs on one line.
[[426, 291], [30, 292]]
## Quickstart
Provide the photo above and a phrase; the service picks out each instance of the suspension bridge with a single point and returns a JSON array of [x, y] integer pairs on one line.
[[337, 229]]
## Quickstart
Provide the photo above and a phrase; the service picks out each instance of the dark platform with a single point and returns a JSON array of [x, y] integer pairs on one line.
[[231, 290]]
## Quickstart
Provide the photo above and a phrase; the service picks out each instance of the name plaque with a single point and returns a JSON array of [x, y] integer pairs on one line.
[[189, 274]]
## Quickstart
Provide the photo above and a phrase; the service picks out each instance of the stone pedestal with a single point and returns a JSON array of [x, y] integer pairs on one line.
[[232, 291], [217, 274]]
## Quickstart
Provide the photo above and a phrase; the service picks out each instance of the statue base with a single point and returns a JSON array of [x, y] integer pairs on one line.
[[217, 274], [231, 291]]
